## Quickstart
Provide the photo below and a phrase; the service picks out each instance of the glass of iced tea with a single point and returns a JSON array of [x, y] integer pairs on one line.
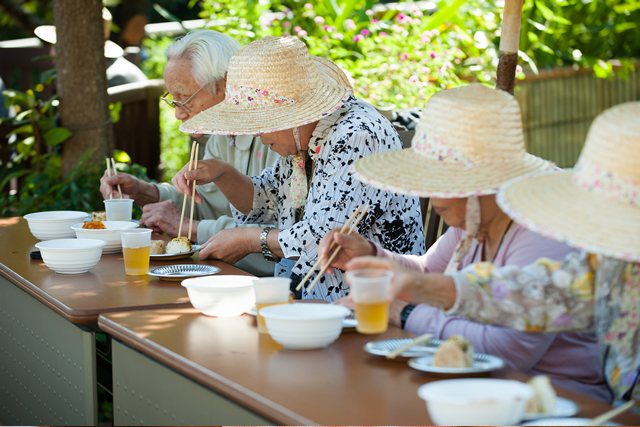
[[369, 290], [270, 291], [136, 245]]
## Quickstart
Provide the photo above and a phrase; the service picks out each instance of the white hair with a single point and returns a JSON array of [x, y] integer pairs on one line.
[[209, 52]]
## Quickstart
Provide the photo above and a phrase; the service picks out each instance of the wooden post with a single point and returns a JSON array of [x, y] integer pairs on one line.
[[509, 42]]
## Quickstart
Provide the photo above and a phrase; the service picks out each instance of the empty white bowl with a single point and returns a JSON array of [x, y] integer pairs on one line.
[[304, 326], [476, 401], [54, 224], [71, 256], [221, 296], [111, 235]]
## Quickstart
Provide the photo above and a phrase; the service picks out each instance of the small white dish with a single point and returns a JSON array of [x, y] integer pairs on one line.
[[562, 408], [348, 322], [111, 235], [566, 422], [182, 271], [71, 256], [173, 257], [221, 296], [54, 224], [481, 363]]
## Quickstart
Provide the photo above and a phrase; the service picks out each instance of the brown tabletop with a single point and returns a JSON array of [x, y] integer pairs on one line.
[[338, 385], [80, 298]]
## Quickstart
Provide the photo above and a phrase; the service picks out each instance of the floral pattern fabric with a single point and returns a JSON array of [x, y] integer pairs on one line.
[[584, 292], [250, 97], [394, 221]]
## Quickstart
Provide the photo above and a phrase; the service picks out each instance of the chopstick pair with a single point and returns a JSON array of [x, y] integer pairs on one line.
[[328, 263], [194, 150], [113, 162]]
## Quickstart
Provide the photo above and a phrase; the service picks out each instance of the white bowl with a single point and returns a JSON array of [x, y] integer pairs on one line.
[[71, 256], [111, 235], [54, 224], [304, 326], [221, 296], [476, 401]]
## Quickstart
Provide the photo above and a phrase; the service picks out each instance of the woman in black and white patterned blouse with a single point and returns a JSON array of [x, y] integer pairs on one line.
[[319, 130]]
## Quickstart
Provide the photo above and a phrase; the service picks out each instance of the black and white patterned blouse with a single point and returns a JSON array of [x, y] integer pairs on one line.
[[355, 130]]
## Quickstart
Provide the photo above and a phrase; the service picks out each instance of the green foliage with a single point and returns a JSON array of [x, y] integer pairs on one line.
[[175, 146]]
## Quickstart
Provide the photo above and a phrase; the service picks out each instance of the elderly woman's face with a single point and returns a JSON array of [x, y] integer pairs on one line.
[[282, 142], [181, 84], [453, 211]]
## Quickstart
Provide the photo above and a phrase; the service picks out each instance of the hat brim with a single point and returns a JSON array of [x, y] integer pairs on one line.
[[408, 172], [553, 206], [227, 118], [48, 34]]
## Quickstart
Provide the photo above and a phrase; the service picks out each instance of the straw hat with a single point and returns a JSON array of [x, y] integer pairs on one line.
[[47, 33], [272, 84], [596, 206], [469, 142]]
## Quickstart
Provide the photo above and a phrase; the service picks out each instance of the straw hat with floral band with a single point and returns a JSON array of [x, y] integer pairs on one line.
[[468, 143], [596, 206], [274, 84]]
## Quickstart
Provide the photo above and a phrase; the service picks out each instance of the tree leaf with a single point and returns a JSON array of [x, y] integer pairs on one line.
[[22, 129], [56, 136]]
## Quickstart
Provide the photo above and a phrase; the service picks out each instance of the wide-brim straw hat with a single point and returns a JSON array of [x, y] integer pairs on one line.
[[469, 142], [273, 84], [596, 206], [47, 33]]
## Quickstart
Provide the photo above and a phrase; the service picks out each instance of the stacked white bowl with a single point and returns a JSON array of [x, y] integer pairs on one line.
[[221, 296], [54, 224], [111, 235], [304, 326], [71, 256]]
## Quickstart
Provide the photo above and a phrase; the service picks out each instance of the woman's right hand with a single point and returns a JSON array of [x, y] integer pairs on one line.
[[207, 171], [353, 246]]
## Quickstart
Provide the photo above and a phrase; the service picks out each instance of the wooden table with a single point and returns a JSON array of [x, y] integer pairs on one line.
[[48, 321], [179, 367]]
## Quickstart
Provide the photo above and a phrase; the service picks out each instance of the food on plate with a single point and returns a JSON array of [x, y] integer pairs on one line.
[[157, 247], [179, 245], [99, 216], [94, 225], [455, 352], [545, 396]]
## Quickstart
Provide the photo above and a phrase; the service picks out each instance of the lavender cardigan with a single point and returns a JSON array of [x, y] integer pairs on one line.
[[569, 359]]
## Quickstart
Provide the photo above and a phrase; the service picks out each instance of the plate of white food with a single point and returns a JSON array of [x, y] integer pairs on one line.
[[178, 248]]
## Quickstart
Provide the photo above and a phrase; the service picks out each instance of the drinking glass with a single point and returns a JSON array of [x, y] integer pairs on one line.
[[270, 291], [136, 246], [119, 209], [369, 290]]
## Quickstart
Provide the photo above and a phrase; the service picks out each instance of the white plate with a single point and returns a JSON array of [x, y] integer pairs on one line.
[[482, 363], [565, 422], [171, 257], [563, 408], [347, 322], [180, 272], [384, 347]]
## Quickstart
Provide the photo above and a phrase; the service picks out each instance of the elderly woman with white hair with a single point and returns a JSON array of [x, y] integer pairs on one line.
[[195, 77], [275, 89]]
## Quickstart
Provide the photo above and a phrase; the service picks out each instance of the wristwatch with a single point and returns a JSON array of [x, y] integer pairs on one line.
[[266, 252], [405, 313]]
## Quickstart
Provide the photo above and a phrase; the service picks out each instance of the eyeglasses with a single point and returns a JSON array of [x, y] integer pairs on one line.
[[175, 104]]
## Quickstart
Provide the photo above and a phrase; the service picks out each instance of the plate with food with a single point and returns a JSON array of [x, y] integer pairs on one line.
[[348, 322], [545, 402], [180, 272], [384, 347], [455, 356], [178, 248]]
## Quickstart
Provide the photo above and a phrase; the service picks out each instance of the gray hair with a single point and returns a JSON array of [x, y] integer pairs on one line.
[[209, 52]]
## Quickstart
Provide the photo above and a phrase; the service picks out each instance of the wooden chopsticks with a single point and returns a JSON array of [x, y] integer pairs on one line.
[[422, 339], [333, 255], [184, 201], [602, 419], [193, 194]]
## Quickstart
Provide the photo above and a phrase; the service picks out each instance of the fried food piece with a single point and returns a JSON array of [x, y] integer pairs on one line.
[[455, 352], [157, 247], [94, 225], [98, 216], [179, 245]]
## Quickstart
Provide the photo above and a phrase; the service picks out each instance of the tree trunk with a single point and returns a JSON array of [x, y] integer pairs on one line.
[[82, 80], [509, 41]]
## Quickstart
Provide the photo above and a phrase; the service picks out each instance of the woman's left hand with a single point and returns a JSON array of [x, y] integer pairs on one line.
[[230, 245]]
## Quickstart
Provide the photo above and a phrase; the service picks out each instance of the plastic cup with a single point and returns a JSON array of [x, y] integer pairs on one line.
[[369, 290], [119, 209], [136, 246], [270, 291]]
